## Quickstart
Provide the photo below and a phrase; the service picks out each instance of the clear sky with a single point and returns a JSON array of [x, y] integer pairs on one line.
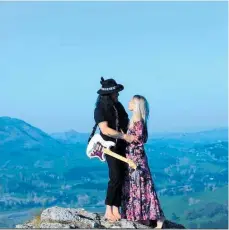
[[52, 55]]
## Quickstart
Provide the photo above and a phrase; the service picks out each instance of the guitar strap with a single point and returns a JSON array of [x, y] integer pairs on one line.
[[116, 125], [92, 133], [116, 121]]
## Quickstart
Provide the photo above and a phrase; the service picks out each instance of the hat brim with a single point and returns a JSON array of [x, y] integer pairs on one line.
[[117, 89]]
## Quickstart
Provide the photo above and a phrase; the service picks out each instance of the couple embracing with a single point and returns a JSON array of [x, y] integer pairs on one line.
[[131, 194]]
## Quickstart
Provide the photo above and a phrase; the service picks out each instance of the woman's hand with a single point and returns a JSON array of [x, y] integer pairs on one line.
[[129, 138]]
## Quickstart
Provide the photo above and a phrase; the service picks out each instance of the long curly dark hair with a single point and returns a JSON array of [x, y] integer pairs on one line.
[[104, 101]]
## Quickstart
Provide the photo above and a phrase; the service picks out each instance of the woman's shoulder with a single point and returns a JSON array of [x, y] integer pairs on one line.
[[138, 124]]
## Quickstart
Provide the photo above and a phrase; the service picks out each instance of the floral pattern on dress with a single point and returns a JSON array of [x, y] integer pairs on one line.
[[139, 199]]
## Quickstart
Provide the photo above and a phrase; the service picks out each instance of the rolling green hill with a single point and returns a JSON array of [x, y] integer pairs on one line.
[[38, 171]]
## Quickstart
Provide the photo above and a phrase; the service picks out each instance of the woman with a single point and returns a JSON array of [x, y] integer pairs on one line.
[[111, 118], [140, 201]]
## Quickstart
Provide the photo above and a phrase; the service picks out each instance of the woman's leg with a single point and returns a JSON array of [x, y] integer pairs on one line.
[[160, 222]]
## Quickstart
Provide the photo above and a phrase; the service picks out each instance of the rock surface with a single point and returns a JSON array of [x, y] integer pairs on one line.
[[57, 217]]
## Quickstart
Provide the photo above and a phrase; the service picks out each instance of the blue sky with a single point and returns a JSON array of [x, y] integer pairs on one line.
[[52, 55]]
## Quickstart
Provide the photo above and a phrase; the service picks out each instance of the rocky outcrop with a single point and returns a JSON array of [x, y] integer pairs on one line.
[[57, 217]]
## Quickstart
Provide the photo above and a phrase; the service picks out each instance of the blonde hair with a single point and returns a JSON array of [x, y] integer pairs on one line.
[[141, 110]]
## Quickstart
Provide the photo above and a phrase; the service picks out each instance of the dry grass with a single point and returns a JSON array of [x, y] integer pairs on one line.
[[37, 219]]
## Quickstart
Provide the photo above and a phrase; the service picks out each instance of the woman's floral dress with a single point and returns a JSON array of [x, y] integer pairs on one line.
[[139, 199]]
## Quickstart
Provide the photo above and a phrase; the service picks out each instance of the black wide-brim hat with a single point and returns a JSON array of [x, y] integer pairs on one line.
[[109, 86]]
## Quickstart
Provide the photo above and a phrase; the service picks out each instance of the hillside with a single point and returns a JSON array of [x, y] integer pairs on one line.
[[38, 171], [17, 135], [71, 137]]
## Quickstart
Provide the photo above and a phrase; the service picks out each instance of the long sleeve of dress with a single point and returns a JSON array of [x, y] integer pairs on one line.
[[139, 131]]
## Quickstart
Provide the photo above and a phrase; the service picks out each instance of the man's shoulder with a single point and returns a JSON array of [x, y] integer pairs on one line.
[[119, 104], [100, 110], [121, 108], [98, 107]]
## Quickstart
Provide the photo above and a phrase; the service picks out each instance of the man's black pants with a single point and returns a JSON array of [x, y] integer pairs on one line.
[[116, 175]]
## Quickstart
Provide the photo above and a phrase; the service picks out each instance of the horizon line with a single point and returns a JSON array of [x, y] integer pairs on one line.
[[197, 130]]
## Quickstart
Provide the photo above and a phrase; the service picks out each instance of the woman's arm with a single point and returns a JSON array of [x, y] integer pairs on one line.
[[139, 131]]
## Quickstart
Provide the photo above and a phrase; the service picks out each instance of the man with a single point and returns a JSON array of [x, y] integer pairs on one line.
[[112, 120]]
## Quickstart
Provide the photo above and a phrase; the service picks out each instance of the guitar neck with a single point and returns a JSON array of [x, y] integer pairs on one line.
[[109, 152]]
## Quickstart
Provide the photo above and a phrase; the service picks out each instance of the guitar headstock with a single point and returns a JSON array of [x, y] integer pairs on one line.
[[97, 151]]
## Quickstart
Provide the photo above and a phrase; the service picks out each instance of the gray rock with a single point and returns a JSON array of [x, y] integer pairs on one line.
[[54, 225], [58, 217], [23, 226], [60, 214]]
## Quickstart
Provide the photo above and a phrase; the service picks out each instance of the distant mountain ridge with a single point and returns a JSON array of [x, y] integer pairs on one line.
[[16, 133], [18, 137], [191, 138], [12, 129], [70, 137], [208, 136]]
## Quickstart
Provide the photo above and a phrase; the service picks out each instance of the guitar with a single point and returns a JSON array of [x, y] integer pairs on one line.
[[97, 147]]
